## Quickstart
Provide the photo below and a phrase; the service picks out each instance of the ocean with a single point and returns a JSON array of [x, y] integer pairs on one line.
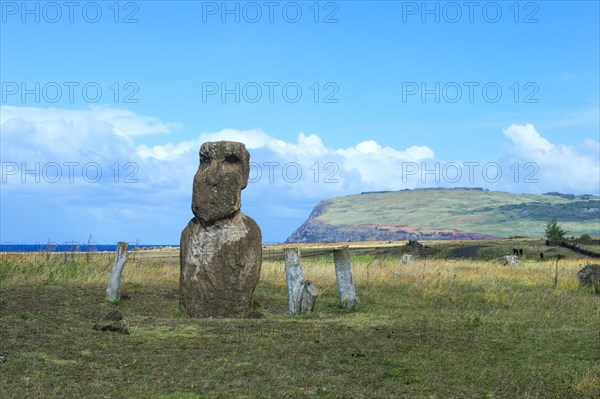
[[71, 247]]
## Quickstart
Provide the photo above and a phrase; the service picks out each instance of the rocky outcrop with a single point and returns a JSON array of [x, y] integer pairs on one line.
[[221, 250], [509, 260], [316, 231], [407, 258], [588, 275]]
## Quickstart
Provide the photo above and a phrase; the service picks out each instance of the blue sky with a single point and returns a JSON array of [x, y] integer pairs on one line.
[[103, 107]]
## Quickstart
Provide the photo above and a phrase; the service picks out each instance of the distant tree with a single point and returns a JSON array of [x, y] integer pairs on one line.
[[554, 232], [585, 238]]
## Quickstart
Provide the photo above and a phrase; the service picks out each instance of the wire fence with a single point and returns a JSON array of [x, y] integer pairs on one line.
[[273, 251]]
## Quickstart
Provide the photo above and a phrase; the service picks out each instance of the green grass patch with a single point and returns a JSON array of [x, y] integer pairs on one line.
[[491, 212]]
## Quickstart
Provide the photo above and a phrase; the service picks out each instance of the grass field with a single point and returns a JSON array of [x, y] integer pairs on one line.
[[429, 329]]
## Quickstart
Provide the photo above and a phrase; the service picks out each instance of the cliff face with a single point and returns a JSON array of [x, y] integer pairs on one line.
[[314, 230]]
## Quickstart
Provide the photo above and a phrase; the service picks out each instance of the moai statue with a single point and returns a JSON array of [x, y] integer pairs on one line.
[[221, 248]]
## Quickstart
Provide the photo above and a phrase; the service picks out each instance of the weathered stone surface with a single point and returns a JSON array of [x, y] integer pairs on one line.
[[114, 315], [509, 260], [220, 267], [343, 274], [308, 296], [302, 294], [294, 278], [221, 248], [223, 173], [588, 275], [414, 244], [112, 292], [407, 258], [117, 326]]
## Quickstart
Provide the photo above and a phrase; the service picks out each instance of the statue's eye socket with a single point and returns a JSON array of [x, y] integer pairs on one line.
[[232, 159]]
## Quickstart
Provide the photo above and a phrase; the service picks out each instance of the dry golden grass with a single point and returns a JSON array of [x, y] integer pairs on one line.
[[434, 274], [431, 274], [28, 268]]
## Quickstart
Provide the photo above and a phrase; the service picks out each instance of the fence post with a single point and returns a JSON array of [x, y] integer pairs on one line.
[[343, 274], [302, 294], [112, 292]]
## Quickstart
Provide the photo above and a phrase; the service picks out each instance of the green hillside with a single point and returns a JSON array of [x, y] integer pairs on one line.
[[470, 210]]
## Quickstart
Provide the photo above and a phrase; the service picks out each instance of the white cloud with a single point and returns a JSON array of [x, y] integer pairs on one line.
[[48, 148], [124, 122], [381, 168], [167, 152], [526, 139], [289, 177], [370, 148], [561, 167], [293, 175], [43, 136], [359, 166]]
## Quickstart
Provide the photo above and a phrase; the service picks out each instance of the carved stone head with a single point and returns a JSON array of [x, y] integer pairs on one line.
[[221, 177]]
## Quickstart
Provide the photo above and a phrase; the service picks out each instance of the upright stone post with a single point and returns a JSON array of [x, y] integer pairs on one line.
[[302, 294], [308, 296], [112, 292], [294, 278], [343, 274], [221, 248]]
